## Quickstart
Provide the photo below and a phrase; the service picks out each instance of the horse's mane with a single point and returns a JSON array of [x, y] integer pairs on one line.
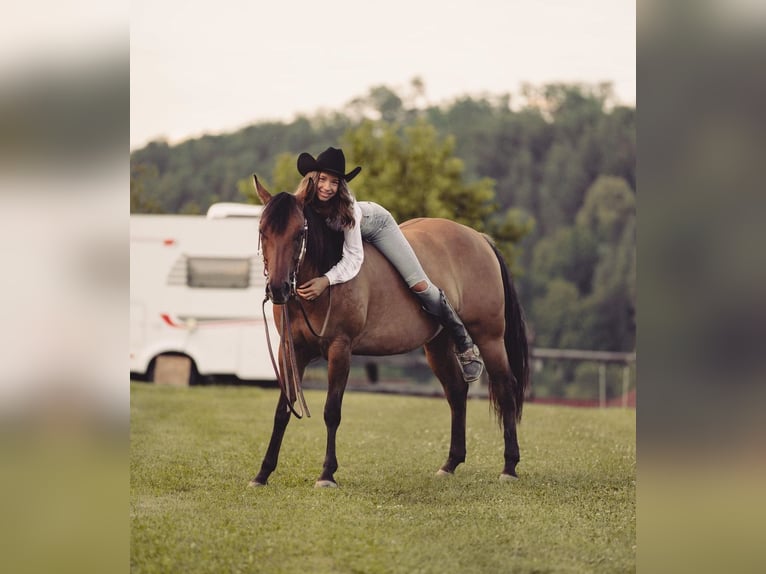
[[276, 214], [324, 246]]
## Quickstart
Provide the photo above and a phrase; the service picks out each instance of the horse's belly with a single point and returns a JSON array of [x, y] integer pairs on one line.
[[394, 328], [395, 342], [391, 320]]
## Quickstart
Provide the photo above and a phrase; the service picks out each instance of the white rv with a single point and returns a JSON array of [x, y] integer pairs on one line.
[[196, 291]]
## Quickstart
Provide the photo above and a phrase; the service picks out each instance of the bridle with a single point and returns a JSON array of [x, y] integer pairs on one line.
[[300, 255], [288, 375], [299, 259]]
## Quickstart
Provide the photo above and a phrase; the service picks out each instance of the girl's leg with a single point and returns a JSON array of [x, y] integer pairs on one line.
[[389, 239], [435, 303]]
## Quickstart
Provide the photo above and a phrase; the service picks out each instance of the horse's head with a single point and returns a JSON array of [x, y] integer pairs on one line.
[[283, 236]]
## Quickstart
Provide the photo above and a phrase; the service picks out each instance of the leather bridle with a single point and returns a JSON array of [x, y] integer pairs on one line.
[[300, 254]]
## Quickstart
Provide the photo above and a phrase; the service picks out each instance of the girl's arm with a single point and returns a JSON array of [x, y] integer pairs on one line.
[[353, 252], [347, 268]]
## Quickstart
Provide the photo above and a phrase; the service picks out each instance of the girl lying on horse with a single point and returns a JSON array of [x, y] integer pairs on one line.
[[324, 188]]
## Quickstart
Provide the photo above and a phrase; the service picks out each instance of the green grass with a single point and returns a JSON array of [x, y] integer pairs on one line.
[[194, 450]]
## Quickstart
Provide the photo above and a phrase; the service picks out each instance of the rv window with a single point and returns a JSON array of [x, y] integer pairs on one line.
[[218, 272]]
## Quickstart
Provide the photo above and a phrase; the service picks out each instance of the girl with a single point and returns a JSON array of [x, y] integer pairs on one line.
[[331, 199]]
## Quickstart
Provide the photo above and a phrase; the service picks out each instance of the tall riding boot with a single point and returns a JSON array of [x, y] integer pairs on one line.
[[435, 303]]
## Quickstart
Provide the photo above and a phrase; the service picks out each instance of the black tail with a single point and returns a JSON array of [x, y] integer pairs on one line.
[[515, 342]]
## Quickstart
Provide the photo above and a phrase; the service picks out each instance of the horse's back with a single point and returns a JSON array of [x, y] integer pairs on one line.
[[457, 259]]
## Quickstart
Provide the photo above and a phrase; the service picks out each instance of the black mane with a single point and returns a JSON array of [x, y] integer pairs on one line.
[[276, 214], [324, 245]]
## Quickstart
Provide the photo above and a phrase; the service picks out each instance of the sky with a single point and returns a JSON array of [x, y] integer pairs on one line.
[[201, 67]]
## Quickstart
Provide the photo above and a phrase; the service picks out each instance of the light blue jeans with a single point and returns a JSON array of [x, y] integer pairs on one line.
[[379, 228]]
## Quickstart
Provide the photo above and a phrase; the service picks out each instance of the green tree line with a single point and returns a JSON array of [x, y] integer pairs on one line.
[[549, 173]]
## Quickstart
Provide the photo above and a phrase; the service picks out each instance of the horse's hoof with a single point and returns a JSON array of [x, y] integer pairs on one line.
[[442, 472], [254, 483], [325, 484], [508, 478]]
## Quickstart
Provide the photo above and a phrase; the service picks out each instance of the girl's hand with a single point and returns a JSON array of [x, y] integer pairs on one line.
[[313, 288]]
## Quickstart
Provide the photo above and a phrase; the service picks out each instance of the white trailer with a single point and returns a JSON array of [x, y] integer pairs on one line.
[[196, 291]]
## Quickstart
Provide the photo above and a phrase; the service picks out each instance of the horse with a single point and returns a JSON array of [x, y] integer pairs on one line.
[[376, 314]]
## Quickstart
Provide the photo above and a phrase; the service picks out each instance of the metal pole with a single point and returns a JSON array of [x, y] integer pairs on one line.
[[625, 384], [602, 385]]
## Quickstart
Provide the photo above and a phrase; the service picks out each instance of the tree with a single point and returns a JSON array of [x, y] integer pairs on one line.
[[571, 254], [140, 201], [583, 276], [561, 190], [557, 315], [608, 205], [611, 307], [609, 213], [380, 102], [414, 173], [508, 229]]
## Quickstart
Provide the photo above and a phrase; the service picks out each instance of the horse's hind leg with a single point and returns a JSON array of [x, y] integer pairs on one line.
[[502, 399], [441, 358], [281, 418]]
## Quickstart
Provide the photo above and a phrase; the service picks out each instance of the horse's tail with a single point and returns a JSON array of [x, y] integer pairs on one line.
[[516, 346]]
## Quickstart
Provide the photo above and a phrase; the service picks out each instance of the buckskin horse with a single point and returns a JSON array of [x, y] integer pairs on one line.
[[376, 314]]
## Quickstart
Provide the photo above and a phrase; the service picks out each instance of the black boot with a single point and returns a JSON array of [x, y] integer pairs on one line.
[[466, 352]]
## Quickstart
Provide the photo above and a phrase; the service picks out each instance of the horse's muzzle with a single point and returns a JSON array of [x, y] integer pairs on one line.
[[278, 292]]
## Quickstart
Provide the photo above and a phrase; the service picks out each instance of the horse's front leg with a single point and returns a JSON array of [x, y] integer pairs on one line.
[[281, 418], [338, 364], [269, 464]]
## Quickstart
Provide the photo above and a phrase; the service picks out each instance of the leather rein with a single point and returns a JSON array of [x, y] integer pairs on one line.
[[287, 374]]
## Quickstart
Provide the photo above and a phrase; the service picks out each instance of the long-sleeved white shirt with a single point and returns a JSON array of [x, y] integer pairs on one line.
[[353, 252]]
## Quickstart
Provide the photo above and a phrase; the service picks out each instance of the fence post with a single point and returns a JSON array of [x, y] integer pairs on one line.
[[602, 385], [625, 384]]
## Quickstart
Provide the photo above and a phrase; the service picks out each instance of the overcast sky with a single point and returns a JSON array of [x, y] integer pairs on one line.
[[210, 67]]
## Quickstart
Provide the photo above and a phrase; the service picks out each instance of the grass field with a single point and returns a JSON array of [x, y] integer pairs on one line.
[[193, 451]]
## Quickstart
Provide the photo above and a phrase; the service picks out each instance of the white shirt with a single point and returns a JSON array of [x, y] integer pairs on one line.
[[353, 252]]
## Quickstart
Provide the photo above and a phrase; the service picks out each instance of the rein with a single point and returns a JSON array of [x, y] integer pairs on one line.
[[288, 375], [326, 317]]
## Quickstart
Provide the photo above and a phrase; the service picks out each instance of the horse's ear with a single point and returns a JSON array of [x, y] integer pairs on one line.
[[263, 193]]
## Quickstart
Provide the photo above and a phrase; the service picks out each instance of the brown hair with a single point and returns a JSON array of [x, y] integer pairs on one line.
[[338, 211]]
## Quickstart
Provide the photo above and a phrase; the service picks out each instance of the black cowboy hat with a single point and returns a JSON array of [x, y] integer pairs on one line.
[[330, 160]]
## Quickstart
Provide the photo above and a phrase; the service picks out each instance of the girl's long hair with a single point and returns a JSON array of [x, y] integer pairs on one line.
[[338, 212]]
